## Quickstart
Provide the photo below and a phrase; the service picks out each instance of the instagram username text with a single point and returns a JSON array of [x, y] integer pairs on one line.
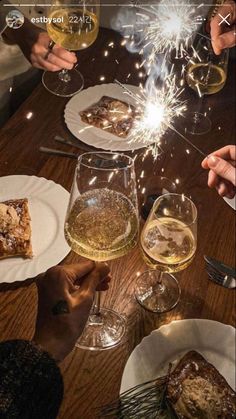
[[71, 19]]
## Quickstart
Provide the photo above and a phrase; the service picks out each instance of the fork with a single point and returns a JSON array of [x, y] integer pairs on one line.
[[219, 275]]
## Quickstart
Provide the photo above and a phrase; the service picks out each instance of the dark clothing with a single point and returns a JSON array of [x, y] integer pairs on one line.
[[31, 385]]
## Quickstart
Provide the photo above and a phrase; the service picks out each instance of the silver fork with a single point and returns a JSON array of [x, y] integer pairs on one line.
[[220, 273]]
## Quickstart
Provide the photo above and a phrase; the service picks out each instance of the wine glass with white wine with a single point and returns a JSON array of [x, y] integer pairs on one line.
[[206, 75], [168, 244], [102, 224], [74, 25]]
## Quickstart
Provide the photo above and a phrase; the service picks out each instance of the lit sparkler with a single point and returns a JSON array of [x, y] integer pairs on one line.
[[164, 27], [156, 112]]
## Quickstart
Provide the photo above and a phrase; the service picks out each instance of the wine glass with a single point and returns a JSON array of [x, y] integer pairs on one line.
[[74, 25], [102, 224], [206, 74], [168, 244]]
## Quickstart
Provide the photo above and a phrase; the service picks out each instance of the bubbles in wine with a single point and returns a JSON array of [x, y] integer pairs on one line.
[[102, 225]]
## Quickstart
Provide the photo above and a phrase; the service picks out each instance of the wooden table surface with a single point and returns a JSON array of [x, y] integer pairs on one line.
[[93, 378]]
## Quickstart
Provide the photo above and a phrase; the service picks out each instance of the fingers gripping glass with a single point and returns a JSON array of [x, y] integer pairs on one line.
[[102, 224], [73, 25], [168, 244]]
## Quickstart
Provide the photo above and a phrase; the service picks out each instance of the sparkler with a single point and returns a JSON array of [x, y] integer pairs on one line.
[[156, 110], [162, 28]]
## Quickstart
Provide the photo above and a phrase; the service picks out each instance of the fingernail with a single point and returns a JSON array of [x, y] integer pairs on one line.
[[212, 161]]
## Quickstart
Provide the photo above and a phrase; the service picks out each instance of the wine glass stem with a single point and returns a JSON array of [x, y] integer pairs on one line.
[[200, 104], [159, 288], [198, 112], [96, 304]]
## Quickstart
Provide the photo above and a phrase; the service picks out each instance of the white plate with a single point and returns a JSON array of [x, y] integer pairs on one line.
[[150, 359], [94, 136], [47, 205], [231, 202]]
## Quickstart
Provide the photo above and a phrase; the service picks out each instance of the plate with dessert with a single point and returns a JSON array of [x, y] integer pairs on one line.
[[189, 368], [32, 214], [103, 116]]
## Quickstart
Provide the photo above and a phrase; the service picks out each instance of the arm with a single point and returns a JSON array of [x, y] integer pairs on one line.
[[31, 384], [34, 44]]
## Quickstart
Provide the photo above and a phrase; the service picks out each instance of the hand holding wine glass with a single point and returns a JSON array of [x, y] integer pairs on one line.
[[73, 25], [101, 225], [34, 43], [65, 296]]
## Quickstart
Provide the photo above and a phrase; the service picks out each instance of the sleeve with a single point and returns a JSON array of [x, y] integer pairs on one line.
[[31, 385]]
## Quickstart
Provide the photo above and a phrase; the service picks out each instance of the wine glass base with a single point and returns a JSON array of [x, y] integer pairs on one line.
[[197, 124], [55, 82], [156, 297], [103, 332]]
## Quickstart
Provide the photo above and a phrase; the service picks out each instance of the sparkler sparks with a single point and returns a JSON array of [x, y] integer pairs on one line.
[[156, 109], [162, 28]]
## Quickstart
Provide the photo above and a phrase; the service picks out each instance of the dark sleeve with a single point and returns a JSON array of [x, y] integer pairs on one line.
[[31, 385]]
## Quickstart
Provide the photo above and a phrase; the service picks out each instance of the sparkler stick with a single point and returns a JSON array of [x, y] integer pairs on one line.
[[188, 141]]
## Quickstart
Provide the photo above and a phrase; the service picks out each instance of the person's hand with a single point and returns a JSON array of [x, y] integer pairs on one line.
[[34, 44], [65, 297], [54, 60], [223, 35], [222, 172]]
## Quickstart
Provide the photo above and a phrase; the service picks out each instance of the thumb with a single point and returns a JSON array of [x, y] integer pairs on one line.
[[222, 168], [226, 40]]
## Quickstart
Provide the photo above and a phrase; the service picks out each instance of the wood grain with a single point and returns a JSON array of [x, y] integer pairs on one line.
[[92, 379]]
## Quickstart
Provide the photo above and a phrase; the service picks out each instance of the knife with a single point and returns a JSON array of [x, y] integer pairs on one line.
[[60, 153], [68, 142], [84, 148], [220, 266]]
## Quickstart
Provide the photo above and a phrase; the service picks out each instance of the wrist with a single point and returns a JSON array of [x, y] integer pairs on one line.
[[56, 348]]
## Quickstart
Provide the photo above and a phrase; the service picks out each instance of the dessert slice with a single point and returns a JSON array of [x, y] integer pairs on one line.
[[197, 390], [15, 230], [111, 115]]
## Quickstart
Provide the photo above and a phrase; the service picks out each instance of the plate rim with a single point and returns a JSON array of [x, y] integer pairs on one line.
[[138, 146], [42, 180], [166, 326]]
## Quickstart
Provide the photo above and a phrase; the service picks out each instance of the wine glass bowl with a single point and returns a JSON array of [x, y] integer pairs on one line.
[[102, 224], [168, 244], [206, 74], [78, 28], [74, 25]]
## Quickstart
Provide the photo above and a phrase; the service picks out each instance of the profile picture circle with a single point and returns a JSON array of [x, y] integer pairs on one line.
[[14, 19]]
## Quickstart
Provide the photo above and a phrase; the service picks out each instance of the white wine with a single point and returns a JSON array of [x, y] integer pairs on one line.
[[206, 78], [167, 244], [102, 225], [73, 29]]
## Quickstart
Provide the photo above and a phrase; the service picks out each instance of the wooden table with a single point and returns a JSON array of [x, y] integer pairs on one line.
[[93, 378]]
